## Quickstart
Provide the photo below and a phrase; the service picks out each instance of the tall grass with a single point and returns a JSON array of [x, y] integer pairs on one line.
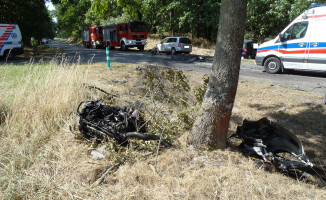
[[35, 101], [40, 159]]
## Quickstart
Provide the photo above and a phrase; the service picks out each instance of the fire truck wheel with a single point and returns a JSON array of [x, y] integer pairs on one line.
[[173, 51], [123, 47], [141, 48], [273, 65], [93, 44]]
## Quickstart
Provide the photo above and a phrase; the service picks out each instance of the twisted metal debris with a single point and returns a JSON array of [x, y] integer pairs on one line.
[[265, 139], [99, 121]]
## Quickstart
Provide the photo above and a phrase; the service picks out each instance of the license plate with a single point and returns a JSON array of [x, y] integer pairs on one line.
[[138, 42], [187, 47]]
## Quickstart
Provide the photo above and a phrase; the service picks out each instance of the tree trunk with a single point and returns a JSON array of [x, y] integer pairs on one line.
[[211, 126], [171, 22]]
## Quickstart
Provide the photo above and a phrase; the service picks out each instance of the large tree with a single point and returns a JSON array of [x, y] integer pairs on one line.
[[211, 126]]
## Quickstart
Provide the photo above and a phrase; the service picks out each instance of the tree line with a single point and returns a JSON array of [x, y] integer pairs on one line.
[[32, 17], [194, 18]]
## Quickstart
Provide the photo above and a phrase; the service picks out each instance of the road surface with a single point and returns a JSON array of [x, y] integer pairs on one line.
[[306, 81]]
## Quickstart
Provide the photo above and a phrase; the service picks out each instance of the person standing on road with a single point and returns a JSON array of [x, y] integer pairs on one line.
[[34, 44]]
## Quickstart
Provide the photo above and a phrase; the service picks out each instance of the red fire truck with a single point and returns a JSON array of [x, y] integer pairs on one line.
[[125, 35], [92, 36]]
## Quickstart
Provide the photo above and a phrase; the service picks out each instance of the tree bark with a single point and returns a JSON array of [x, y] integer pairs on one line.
[[211, 126]]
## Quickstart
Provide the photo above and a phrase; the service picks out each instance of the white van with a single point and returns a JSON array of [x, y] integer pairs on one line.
[[10, 40], [301, 45]]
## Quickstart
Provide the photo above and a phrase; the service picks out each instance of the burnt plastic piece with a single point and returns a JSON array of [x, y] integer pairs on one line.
[[265, 139]]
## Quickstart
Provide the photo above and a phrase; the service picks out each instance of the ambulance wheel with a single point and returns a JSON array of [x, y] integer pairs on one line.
[[94, 44], [8, 55], [273, 65]]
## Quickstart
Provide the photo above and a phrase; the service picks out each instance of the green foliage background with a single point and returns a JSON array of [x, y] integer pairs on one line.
[[193, 18], [31, 15]]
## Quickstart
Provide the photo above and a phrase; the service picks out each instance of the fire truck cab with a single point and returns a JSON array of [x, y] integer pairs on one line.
[[125, 35], [92, 36]]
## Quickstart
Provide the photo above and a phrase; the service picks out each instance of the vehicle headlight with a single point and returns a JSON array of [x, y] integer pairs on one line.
[[130, 42]]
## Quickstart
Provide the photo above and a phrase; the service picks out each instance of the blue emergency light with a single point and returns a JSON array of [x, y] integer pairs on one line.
[[314, 5]]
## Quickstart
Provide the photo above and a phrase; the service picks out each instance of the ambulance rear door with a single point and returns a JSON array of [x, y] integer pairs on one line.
[[317, 46]]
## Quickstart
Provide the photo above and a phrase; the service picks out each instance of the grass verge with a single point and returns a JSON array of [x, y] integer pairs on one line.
[[41, 159]]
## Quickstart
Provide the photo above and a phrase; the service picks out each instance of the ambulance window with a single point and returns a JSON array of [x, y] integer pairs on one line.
[[296, 31]]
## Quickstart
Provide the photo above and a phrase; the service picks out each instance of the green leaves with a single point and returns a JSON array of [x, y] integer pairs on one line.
[[266, 18], [32, 17]]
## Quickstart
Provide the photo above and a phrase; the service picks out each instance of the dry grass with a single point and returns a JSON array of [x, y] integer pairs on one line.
[[41, 159], [42, 51]]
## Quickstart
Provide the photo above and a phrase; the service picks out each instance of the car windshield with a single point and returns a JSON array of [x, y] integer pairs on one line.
[[135, 27], [185, 40]]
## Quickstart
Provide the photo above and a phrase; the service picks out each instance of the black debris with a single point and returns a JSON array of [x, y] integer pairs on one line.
[[99, 121], [192, 58], [265, 139]]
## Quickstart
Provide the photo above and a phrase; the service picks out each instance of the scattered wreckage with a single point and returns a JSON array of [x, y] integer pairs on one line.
[[265, 139], [184, 57], [262, 139], [98, 121]]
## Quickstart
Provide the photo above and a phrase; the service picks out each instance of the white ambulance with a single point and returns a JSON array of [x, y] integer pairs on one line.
[[301, 45], [10, 41]]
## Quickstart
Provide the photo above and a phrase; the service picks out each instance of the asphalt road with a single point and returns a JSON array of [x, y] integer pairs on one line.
[[306, 81]]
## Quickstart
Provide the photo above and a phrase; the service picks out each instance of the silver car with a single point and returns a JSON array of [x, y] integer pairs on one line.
[[174, 45]]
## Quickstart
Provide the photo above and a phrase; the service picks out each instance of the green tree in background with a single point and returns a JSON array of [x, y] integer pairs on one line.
[[194, 18], [266, 18], [32, 17], [71, 16]]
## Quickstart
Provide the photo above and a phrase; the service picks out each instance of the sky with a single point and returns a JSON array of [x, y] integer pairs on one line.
[[50, 7]]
